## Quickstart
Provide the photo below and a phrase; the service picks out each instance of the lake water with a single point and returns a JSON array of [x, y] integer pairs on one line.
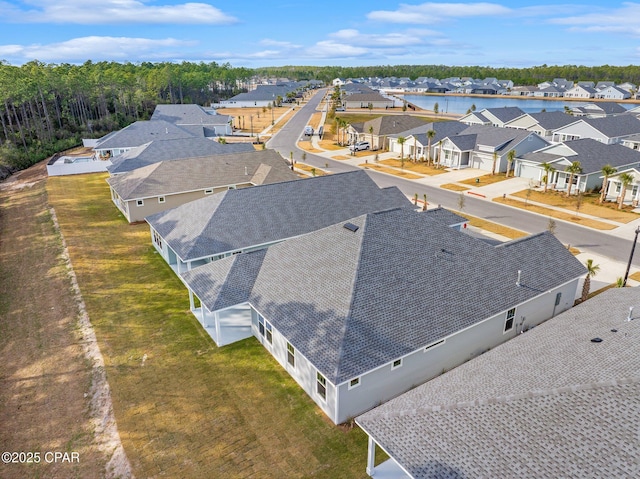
[[461, 104]]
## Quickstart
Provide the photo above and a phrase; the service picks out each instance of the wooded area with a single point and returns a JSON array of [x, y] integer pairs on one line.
[[46, 108]]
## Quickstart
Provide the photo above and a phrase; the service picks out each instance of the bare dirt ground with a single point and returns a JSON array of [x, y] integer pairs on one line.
[[53, 398]]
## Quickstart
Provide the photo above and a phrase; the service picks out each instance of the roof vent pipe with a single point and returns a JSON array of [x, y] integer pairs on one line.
[[630, 317], [246, 172], [519, 275]]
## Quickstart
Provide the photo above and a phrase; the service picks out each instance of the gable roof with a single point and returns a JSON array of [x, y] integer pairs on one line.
[[245, 217], [570, 405], [349, 301], [503, 114], [173, 149], [591, 154], [390, 124], [614, 126], [170, 177], [550, 120], [142, 132], [443, 129], [501, 139], [188, 115]]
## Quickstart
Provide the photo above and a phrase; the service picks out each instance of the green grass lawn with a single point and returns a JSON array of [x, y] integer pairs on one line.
[[184, 407]]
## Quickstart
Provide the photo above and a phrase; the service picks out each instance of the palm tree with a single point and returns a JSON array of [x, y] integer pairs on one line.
[[573, 169], [607, 171], [495, 161], [548, 171], [510, 157], [371, 133], [592, 270], [401, 141], [625, 180], [430, 135]]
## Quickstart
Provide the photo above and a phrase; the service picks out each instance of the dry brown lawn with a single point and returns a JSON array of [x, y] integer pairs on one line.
[[417, 167], [328, 143], [307, 146], [261, 118], [392, 171], [44, 375], [563, 215], [589, 205], [454, 187], [485, 180], [310, 170]]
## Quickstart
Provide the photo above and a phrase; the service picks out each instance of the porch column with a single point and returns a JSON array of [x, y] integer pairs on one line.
[[202, 314], [371, 456], [216, 318], [192, 304]]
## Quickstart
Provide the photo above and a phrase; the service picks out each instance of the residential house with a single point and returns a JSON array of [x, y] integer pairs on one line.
[[498, 117], [476, 146], [378, 130], [560, 400], [591, 154], [632, 142], [601, 85], [201, 121], [597, 110], [263, 95], [363, 310], [416, 144], [367, 100], [168, 184], [240, 220], [632, 190], [524, 90], [630, 87], [580, 91], [155, 151], [613, 93], [544, 123], [549, 92], [608, 130]]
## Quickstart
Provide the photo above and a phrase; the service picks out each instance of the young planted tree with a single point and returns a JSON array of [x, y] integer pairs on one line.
[[548, 171], [625, 180], [462, 201], [430, 135], [592, 270], [510, 157], [401, 141], [371, 134], [607, 171], [495, 161], [436, 108], [551, 226], [573, 169], [424, 205]]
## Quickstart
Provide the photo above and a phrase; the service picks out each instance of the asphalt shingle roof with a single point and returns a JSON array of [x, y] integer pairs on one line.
[[550, 120], [390, 124], [353, 301], [176, 149], [170, 177], [188, 115], [142, 132], [615, 126], [548, 403], [262, 214]]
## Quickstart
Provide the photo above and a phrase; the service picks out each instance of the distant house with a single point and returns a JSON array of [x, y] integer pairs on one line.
[[549, 92], [367, 100], [357, 316], [241, 220], [613, 93], [608, 130], [378, 130], [476, 146], [591, 154], [597, 110], [560, 400], [159, 150], [492, 116], [168, 184], [199, 120], [262, 96], [416, 144], [580, 91], [544, 123]]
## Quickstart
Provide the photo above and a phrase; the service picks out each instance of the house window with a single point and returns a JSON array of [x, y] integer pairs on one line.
[[139, 202], [261, 325], [291, 355], [508, 325], [160, 199], [321, 386], [208, 191], [269, 332], [157, 239], [396, 364], [354, 383]]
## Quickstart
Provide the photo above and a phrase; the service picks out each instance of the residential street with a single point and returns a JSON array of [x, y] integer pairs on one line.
[[615, 244]]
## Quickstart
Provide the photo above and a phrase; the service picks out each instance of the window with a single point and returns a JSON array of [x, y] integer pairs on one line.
[[291, 355], [269, 332], [508, 325], [139, 202], [160, 199], [157, 239], [354, 383], [261, 325], [321, 386], [208, 191], [396, 364]]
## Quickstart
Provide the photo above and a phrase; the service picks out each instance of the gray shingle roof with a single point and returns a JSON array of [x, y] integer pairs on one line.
[[353, 301], [549, 403], [390, 124], [175, 149], [142, 132], [226, 282], [443, 129], [188, 115], [615, 126], [170, 177], [550, 120], [252, 216], [504, 114]]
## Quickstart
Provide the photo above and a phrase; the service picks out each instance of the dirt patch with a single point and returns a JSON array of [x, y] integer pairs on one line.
[[48, 383]]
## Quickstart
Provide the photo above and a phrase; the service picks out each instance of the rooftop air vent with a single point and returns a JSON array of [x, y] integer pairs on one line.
[[596, 340], [351, 227]]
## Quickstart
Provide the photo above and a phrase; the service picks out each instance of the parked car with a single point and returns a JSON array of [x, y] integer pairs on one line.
[[361, 145], [308, 130]]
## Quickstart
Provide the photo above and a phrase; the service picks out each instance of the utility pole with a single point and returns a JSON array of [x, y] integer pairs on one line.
[[633, 248]]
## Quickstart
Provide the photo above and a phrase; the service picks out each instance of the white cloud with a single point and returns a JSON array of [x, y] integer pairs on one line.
[[277, 43], [113, 12], [99, 48], [332, 49], [621, 20], [429, 13], [354, 37]]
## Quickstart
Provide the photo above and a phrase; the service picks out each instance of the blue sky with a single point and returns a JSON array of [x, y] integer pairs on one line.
[[323, 32]]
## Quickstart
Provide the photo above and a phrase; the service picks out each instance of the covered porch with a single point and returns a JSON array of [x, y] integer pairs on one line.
[[225, 326], [389, 469]]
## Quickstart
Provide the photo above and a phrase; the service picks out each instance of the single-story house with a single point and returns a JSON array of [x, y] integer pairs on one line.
[[199, 120], [544, 123], [382, 128], [613, 93], [159, 150], [591, 154], [580, 91], [632, 192], [498, 117], [363, 310], [597, 110], [239, 220], [262, 96], [367, 100], [168, 184], [608, 130], [416, 144], [476, 146], [560, 400]]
